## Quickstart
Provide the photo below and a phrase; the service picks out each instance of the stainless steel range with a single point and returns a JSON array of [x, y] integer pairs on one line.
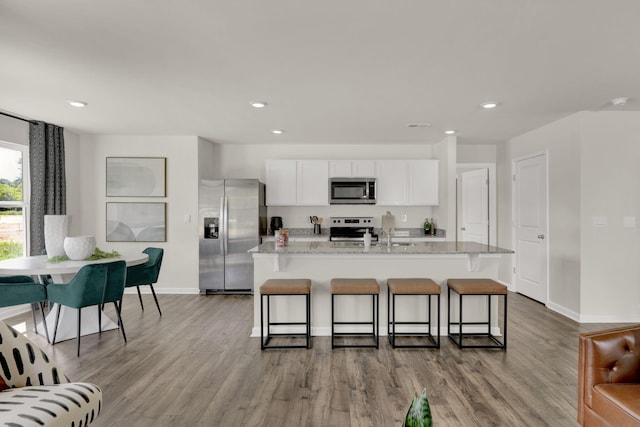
[[351, 229]]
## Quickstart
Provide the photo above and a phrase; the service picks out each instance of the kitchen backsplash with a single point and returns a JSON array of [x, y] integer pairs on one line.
[[405, 216]]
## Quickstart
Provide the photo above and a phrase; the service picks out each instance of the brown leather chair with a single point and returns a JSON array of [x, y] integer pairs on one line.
[[609, 377]]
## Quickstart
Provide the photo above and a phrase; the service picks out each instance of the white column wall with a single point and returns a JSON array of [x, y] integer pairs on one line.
[[179, 272], [560, 140], [610, 256]]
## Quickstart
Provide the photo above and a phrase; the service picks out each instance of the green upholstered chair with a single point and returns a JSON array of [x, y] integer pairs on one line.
[[87, 288], [146, 274], [18, 290]]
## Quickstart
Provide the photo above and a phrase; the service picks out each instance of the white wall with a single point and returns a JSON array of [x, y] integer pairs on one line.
[[561, 141], [179, 272], [476, 153], [610, 187]]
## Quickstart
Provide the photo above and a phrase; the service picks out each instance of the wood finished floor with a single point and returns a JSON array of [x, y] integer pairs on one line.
[[197, 366]]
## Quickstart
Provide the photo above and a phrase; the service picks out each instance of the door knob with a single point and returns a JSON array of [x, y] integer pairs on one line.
[[463, 229], [540, 236]]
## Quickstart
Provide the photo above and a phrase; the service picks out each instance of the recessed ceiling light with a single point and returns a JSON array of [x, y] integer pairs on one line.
[[489, 105], [450, 132], [618, 102], [419, 125], [78, 104], [277, 131], [258, 104]]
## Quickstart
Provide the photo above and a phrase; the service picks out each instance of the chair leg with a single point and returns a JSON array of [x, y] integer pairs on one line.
[[115, 303], [44, 321], [55, 328], [33, 314], [140, 297], [100, 308], [155, 298], [79, 328]]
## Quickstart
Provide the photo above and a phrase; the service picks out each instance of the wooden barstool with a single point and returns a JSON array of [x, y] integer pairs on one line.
[[356, 287], [488, 288], [285, 287], [413, 288]]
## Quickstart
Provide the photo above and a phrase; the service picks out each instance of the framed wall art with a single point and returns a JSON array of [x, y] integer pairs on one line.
[[136, 176], [136, 222]]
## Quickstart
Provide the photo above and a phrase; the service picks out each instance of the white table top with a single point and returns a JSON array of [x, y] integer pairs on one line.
[[34, 265]]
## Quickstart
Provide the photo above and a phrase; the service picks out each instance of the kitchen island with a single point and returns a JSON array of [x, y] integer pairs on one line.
[[323, 261]]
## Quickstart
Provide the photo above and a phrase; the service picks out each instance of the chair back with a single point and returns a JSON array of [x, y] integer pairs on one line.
[[17, 290], [85, 289], [154, 262], [116, 275], [148, 272]]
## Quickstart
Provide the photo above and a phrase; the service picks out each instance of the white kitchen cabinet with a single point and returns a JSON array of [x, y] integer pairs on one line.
[[281, 178], [422, 183], [297, 182], [351, 168], [407, 182], [312, 183], [391, 182]]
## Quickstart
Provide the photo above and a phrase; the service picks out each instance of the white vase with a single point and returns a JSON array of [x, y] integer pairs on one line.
[[56, 228], [79, 247]]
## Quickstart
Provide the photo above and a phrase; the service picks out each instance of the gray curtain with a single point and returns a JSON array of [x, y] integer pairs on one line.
[[48, 185]]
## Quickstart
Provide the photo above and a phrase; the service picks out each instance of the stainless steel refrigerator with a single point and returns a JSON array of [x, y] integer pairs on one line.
[[232, 217]]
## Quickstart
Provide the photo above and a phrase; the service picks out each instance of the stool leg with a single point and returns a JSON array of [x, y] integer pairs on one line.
[[308, 320], [438, 321], [377, 296], [505, 322], [261, 322], [460, 324], [389, 318], [449, 312], [332, 322], [489, 317], [393, 324]]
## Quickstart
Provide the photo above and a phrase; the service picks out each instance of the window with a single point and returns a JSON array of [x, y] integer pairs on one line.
[[14, 199]]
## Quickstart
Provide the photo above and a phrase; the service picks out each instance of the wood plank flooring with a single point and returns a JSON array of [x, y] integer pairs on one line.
[[197, 366]]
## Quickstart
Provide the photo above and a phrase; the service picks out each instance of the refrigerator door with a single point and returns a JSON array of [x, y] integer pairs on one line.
[[242, 222], [211, 235]]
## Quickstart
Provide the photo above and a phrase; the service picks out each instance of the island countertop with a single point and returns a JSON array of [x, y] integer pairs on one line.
[[380, 248]]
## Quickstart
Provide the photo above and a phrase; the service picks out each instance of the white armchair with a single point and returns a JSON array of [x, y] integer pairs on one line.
[[36, 392]]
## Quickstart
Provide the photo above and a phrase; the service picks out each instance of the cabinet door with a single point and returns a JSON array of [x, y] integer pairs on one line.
[[313, 183], [363, 168], [281, 182], [340, 168], [391, 182], [423, 182]]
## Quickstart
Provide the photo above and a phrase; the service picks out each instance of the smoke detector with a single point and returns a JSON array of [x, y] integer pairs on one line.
[[619, 102]]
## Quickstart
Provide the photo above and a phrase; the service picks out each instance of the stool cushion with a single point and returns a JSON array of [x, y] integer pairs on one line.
[[413, 286], [354, 286], [286, 287], [477, 287]]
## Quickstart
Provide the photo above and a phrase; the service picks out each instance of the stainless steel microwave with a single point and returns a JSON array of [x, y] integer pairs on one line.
[[351, 191]]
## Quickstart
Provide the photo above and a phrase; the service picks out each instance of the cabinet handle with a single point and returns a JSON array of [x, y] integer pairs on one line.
[[540, 236]]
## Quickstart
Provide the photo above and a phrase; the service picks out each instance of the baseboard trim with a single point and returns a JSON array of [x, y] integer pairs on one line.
[[176, 291], [563, 310], [8, 312]]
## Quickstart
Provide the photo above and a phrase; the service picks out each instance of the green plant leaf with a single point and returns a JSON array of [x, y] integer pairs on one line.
[[419, 413]]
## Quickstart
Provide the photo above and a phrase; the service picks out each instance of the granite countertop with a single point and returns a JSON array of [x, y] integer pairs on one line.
[[399, 233], [351, 248]]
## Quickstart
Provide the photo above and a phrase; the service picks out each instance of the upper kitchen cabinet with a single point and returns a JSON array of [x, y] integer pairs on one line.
[[281, 177], [407, 182], [423, 183], [351, 168], [313, 183], [297, 182]]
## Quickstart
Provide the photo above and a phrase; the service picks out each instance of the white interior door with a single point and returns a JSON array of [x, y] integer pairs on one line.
[[530, 227], [475, 206]]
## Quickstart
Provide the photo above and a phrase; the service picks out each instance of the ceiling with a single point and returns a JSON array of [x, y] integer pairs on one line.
[[332, 71]]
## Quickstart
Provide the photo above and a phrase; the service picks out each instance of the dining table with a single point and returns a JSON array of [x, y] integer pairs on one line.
[[61, 272]]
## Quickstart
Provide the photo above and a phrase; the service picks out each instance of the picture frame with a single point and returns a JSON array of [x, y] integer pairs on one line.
[[136, 176], [136, 222]]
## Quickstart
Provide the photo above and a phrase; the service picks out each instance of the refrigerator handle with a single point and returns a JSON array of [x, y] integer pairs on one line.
[[226, 224], [223, 227]]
